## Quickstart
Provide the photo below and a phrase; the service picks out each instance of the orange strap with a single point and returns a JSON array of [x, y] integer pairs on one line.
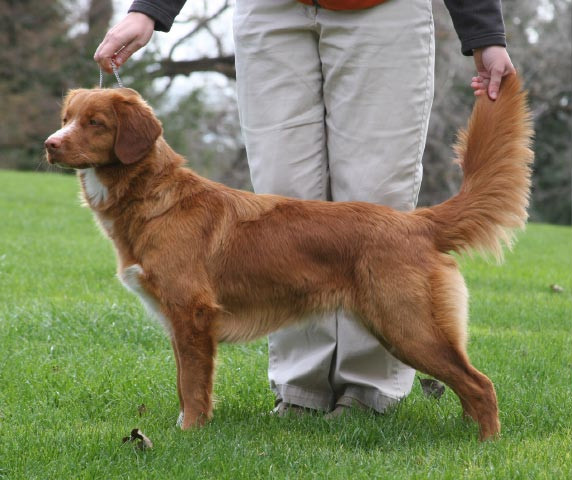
[[343, 4]]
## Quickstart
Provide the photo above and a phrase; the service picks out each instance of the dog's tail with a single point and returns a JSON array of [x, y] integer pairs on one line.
[[495, 155]]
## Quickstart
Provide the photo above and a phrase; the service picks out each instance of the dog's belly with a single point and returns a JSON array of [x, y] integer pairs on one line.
[[254, 304], [131, 279], [249, 324]]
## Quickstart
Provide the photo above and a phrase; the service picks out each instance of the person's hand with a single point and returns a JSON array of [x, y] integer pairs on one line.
[[493, 63], [124, 39]]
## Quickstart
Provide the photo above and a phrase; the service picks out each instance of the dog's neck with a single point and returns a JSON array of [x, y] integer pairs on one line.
[[109, 187], [125, 198]]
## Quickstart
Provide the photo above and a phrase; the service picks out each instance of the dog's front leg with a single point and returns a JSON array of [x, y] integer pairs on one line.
[[194, 347], [176, 354]]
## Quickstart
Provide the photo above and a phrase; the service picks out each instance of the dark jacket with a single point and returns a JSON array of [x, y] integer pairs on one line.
[[478, 23]]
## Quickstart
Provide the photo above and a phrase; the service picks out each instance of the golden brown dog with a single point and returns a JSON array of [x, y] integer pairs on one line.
[[217, 264]]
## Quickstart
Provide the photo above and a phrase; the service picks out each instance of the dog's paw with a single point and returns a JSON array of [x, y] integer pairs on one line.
[[180, 419]]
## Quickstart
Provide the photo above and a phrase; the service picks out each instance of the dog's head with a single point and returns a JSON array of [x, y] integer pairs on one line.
[[102, 127]]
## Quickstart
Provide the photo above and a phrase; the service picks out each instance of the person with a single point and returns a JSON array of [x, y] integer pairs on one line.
[[334, 105]]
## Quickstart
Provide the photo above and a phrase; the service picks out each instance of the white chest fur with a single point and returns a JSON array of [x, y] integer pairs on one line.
[[131, 278], [95, 192]]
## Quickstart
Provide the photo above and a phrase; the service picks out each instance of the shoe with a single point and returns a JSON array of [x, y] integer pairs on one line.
[[283, 409], [343, 410]]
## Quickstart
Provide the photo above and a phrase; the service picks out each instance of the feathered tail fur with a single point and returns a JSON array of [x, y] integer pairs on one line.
[[495, 155]]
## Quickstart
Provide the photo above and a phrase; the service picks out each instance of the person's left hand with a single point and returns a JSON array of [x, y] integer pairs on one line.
[[493, 63]]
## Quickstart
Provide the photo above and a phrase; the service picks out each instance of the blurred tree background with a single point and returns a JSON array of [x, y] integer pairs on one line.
[[46, 47]]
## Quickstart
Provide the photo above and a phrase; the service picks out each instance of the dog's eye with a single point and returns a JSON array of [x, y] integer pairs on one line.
[[64, 121], [93, 121]]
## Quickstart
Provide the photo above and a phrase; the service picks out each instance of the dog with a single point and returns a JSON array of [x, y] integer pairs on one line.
[[217, 264]]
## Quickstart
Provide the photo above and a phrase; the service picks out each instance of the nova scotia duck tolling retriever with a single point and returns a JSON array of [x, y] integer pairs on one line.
[[217, 264]]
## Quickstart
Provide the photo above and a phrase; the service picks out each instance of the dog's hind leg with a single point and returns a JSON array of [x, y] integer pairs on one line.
[[468, 412], [414, 336], [195, 348]]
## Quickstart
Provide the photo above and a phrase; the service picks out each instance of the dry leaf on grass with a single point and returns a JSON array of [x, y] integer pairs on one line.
[[138, 436], [142, 409], [432, 388], [556, 288]]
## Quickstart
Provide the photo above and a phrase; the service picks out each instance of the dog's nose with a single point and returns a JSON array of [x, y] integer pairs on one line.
[[53, 142]]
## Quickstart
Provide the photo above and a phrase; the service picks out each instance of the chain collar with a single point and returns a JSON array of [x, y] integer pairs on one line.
[[115, 72]]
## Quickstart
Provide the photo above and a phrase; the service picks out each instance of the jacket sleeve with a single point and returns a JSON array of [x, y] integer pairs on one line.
[[478, 23], [162, 11]]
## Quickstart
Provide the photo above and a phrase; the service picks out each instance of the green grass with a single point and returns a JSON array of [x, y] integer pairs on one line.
[[77, 358]]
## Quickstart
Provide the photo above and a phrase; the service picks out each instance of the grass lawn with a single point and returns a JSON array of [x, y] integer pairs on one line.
[[78, 358]]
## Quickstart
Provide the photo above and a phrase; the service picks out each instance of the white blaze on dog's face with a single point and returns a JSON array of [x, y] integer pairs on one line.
[[102, 127]]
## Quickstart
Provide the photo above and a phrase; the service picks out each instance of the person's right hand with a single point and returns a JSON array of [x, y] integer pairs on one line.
[[124, 39]]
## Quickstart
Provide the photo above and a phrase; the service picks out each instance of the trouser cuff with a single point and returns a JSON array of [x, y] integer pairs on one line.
[[304, 397], [369, 397]]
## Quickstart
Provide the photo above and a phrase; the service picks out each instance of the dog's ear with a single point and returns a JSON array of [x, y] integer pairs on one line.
[[137, 129]]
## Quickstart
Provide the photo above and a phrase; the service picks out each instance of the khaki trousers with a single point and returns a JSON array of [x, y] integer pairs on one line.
[[335, 106]]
